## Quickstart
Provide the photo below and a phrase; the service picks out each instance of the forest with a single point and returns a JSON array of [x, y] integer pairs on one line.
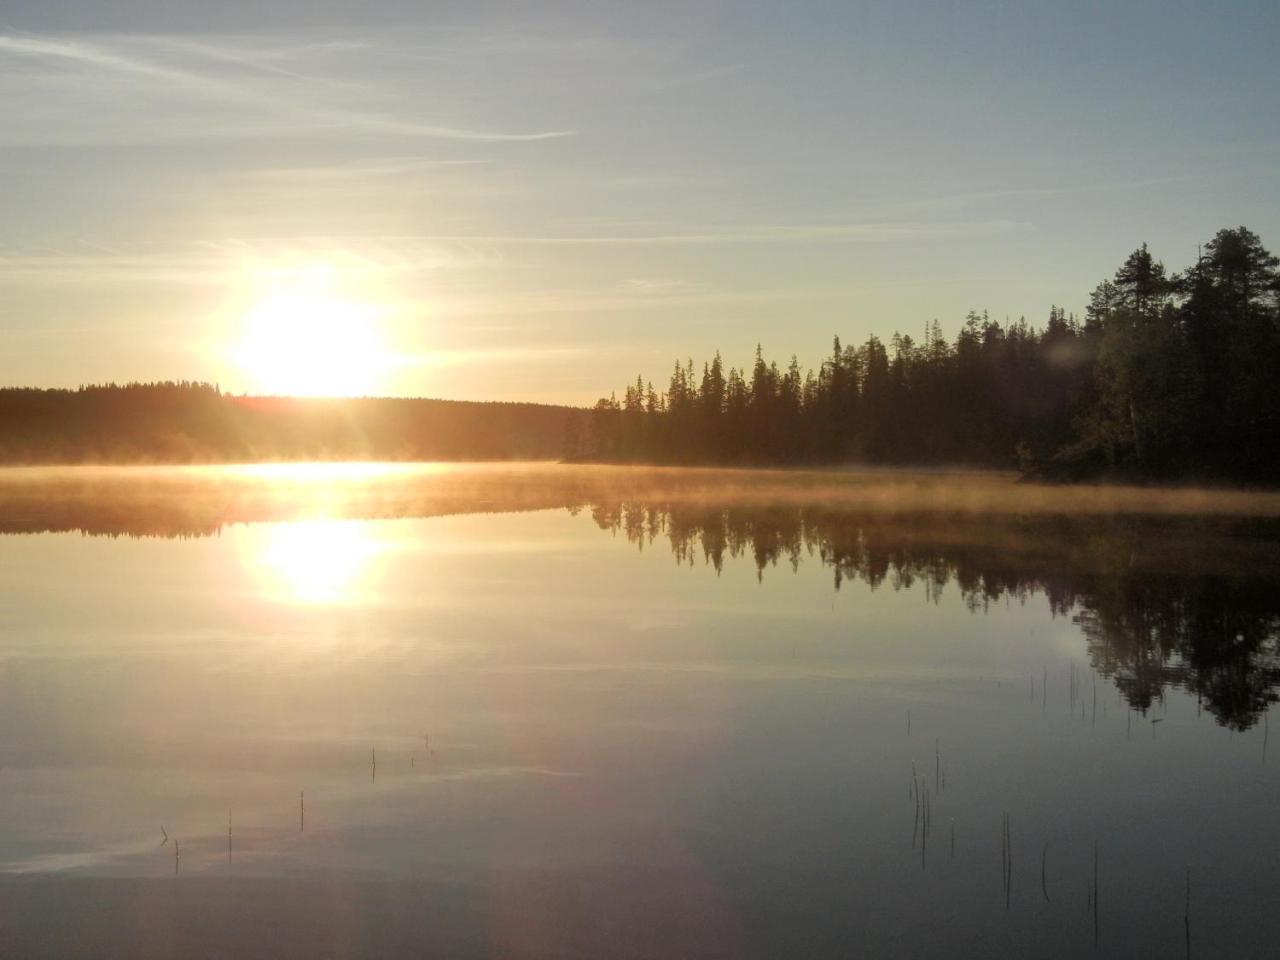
[[1169, 375], [186, 422]]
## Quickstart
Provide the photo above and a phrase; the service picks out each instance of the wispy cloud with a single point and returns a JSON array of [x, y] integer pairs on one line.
[[782, 233], [69, 268], [516, 306], [217, 262], [487, 357], [367, 169], [171, 73], [1033, 193], [210, 261]]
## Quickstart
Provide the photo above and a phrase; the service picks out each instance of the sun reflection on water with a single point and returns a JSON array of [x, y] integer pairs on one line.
[[318, 472], [321, 561]]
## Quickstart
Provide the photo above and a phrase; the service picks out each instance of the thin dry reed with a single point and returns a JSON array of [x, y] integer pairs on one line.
[[915, 828], [924, 830], [1044, 876], [1095, 892], [1006, 859], [1186, 913]]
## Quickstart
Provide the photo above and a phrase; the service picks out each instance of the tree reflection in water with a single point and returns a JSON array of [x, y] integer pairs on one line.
[[1192, 603], [1166, 597]]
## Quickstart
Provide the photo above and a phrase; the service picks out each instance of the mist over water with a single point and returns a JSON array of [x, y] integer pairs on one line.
[[538, 710]]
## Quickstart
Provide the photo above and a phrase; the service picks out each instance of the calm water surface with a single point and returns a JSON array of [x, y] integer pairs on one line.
[[585, 712]]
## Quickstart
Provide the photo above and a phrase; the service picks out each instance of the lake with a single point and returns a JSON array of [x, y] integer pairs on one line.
[[555, 711]]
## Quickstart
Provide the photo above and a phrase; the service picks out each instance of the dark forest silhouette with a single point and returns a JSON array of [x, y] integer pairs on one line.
[[1172, 601], [1168, 375], [195, 422]]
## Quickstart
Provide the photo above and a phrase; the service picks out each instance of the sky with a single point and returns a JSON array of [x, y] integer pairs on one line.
[[538, 201]]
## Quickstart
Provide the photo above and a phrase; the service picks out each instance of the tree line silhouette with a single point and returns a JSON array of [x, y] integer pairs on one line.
[[1168, 375], [193, 422]]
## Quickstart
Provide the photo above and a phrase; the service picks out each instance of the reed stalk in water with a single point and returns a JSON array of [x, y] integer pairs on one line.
[[915, 826], [1006, 858], [924, 832], [1044, 878], [1186, 913], [1095, 892]]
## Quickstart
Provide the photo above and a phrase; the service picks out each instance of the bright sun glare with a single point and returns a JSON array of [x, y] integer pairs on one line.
[[301, 339], [314, 561]]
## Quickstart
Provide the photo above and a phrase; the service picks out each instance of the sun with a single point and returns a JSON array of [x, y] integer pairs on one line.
[[308, 345]]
